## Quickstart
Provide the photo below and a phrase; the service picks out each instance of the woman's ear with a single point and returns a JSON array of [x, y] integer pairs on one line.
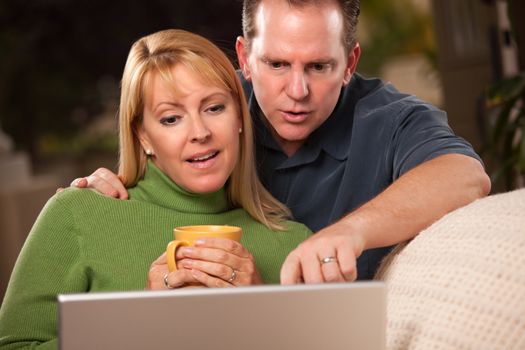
[[351, 65], [143, 139], [242, 57]]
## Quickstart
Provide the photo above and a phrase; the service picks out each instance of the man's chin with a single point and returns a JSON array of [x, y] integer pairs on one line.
[[294, 133], [291, 140]]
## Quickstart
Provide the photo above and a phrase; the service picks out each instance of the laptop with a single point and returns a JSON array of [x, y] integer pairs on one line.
[[306, 317]]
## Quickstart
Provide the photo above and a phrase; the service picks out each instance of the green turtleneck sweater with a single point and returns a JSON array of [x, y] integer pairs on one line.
[[85, 242]]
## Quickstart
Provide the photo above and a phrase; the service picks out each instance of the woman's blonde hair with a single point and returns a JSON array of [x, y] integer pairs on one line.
[[159, 52]]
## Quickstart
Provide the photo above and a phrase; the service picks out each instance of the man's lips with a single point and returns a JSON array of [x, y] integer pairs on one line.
[[295, 116]]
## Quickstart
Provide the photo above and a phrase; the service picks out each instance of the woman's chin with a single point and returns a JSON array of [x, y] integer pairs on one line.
[[204, 188]]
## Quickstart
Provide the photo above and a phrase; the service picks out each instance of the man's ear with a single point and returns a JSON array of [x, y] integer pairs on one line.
[[242, 57], [351, 65]]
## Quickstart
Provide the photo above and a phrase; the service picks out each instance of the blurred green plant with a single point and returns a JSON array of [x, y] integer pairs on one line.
[[390, 28], [506, 100], [506, 105]]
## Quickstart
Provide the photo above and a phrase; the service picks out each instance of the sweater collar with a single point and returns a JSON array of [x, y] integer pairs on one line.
[[157, 188]]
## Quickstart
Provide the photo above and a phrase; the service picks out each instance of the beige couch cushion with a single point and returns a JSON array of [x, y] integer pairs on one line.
[[460, 284]]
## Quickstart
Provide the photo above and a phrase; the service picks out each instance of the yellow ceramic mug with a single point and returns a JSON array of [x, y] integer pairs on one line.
[[186, 235]]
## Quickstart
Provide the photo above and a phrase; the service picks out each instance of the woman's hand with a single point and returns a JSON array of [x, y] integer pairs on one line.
[[219, 262], [160, 278], [212, 262]]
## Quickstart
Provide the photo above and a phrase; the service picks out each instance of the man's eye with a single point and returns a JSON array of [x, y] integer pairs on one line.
[[318, 67], [216, 108], [171, 120], [276, 65]]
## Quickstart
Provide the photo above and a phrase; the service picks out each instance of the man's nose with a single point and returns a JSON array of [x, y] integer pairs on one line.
[[199, 130], [297, 87]]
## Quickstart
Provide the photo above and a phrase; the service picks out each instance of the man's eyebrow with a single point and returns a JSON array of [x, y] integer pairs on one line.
[[329, 61], [321, 60], [266, 58]]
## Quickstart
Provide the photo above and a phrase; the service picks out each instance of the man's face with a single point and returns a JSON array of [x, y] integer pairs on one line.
[[297, 65]]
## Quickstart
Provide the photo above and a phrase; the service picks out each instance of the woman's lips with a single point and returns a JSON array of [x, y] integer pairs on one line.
[[203, 160]]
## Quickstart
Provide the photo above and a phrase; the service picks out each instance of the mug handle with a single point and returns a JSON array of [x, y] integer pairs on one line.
[[170, 253]]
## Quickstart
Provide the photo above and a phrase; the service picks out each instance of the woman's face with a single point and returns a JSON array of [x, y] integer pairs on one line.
[[192, 129]]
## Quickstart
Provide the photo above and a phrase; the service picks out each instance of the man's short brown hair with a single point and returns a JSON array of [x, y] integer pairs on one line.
[[349, 8]]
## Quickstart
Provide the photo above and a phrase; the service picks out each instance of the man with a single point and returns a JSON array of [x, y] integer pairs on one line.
[[358, 162]]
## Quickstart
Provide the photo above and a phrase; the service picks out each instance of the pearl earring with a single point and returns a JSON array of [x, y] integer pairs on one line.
[[240, 130], [149, 152]]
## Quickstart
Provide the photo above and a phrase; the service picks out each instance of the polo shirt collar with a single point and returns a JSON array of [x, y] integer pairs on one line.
[[334, 135]]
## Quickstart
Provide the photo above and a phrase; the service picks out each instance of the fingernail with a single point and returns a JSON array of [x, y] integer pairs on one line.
[[187, 263], [199, 242]]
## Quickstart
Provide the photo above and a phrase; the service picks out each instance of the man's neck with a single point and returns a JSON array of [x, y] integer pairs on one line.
[[291, 148]]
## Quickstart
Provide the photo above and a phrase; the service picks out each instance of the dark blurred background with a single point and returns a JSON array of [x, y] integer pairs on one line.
[[61, 62]]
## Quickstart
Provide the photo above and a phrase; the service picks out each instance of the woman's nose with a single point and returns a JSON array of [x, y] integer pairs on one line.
[[200, 132]]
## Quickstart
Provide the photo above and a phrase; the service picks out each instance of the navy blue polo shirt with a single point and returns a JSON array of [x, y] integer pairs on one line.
[[375, 135]]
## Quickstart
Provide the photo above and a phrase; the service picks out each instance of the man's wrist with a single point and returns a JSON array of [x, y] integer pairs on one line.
[[357, 231]]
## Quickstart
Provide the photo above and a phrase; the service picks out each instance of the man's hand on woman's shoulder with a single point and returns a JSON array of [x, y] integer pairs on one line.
[[104, 181]]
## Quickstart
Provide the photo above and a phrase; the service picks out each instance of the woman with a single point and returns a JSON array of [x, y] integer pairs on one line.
[[186, 157]]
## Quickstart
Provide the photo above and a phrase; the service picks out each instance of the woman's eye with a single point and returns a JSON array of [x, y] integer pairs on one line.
[[169, 120], [216, 108]]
